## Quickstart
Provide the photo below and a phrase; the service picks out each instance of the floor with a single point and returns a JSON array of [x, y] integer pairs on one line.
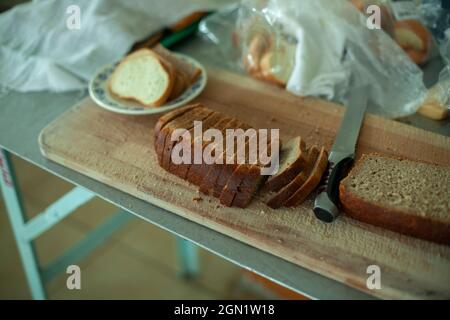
[[137, 262]]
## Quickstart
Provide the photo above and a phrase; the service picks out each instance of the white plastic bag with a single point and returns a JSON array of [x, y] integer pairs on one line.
[[309, 42]]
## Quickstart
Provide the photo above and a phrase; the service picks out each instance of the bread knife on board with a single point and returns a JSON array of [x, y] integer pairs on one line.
[[326, 204]]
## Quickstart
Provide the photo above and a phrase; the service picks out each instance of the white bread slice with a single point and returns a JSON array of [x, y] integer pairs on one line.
[[277, 65], [143, 77]]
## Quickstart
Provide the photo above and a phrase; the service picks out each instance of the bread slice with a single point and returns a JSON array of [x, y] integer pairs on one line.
[[165, 125], [162, 121], [143, 77], [197, 172], [191, 71], [278, 200], [227, 169], [292, 161], [277, 66], [181, 170], [311, 182], [165, 120], [179, 86], [252, 182], [405, 196], [209, 179], [188, 122], [245, 180]]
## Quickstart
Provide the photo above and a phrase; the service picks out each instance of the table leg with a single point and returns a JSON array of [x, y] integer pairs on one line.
[[16, 213], [187, 258]]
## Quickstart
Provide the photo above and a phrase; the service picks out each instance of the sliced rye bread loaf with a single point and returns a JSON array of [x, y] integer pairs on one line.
[[311, 182], [181, 170], [292, 161], [166, 120], [404, 196], [279, 198], [187, 123], [212, 171], [144, 77], [197, 172]]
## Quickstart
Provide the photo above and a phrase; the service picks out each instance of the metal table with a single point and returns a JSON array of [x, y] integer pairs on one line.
[[23, 116]]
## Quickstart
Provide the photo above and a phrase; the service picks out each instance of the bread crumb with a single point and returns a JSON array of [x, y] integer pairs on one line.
[[197, 199]]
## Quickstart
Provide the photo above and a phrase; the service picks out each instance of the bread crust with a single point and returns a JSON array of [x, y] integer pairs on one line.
[[183, 169], [278, 181], [392, 219], [286, 192], [197, 172], [312, 182], [208, 182], [196, 114], [166, 118], [164, 122]]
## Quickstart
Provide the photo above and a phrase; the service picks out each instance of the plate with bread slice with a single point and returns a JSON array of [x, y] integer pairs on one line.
[[148, 81]]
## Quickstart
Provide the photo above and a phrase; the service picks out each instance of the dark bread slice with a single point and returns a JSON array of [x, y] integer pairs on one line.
[[197, 172], [210, 176], [168, 129], [311, 182], [196, 115], [409, 197], [278, 200], [292, 161], [252, 181], [226, 171], [165, 120], [209, 183], [245, 179], [181, 170]]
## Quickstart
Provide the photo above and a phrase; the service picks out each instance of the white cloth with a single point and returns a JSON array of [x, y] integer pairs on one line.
[[38, 51]]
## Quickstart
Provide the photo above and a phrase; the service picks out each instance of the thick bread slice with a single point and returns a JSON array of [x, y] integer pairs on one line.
[[191, 71], [197, 172], [278, 200], [227, 169], [292, 161], [252, 182], [210, 176], [182, 170], [162, 121], [245, 179], [178, 87], [196, 115], [163, 126], [312, 182], [277, 66], [401, 195], [143, 77]]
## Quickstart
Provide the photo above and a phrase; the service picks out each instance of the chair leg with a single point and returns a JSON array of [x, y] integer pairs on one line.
[[187, 258], [17, 217]]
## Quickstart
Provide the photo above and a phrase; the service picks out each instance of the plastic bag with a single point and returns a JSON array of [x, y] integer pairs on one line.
[[304, 46]]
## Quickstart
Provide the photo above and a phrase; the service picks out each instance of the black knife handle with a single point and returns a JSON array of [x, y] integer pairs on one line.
[[326, 205]]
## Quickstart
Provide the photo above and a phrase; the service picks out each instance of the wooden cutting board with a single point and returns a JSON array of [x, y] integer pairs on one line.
[[118, 150]]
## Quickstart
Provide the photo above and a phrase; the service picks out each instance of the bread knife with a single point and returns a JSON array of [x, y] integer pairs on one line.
[[326, 204]]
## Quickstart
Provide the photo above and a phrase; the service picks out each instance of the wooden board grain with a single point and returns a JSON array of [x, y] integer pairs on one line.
[[118, 150]]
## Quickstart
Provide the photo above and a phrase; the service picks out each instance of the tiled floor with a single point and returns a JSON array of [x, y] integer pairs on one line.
[[138, 262]]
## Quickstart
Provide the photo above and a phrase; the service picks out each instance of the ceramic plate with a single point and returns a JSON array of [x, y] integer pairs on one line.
[[99, 92]]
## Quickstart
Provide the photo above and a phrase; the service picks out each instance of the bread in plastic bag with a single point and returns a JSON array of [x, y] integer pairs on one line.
[[303, 46]]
